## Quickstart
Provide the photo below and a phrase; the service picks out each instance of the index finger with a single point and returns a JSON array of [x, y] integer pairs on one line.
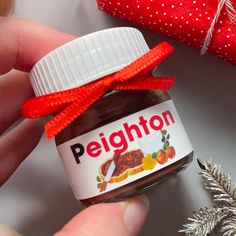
[[23, 43]]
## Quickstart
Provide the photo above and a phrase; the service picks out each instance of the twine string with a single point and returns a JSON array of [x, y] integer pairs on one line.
[[231, 13]]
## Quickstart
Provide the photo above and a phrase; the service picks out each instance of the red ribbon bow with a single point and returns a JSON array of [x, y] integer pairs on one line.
[[70, 104]]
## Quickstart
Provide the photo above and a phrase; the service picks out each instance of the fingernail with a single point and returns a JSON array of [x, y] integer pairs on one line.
[[136, 210], [6, 231]]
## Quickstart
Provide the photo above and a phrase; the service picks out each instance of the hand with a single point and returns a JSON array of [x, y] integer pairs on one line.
[[22, 44]]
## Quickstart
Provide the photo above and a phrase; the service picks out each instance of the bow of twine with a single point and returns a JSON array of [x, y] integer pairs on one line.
[[231, 13], [67, 105]]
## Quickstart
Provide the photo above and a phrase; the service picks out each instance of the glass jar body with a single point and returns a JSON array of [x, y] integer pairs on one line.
[[113, 106]]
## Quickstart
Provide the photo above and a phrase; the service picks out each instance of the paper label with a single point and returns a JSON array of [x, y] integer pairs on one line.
[[125, 150]]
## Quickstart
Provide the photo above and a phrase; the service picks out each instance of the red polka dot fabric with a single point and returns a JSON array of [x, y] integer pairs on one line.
[[184, 20]]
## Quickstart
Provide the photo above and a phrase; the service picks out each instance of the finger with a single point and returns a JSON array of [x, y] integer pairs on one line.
[[6, 231], [23, 43], [16, 145], [15, 88], [116, 219]]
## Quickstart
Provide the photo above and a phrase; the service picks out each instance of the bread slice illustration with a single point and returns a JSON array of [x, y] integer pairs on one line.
[[129, 163]]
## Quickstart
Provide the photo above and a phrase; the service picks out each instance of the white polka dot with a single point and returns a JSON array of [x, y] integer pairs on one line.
[[190, 14], [127, 6], [187, 22], [162, 4], [228, 36], [229, 29], [194, 2], [180, 26], [197, 9], [156, 12], [197, 19], [204, 4], [208, 17], [138, 6], [172, 6], [148, 8], [181, 4], [164, 13]]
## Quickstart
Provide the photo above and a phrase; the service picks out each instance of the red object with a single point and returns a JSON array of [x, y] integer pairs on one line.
[[70, 104], [187, 21]]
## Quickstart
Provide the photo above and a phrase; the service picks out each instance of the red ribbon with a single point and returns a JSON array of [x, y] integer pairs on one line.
[[71, 103]]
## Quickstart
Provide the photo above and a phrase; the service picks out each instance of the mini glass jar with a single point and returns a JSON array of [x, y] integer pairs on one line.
[[128, 140]]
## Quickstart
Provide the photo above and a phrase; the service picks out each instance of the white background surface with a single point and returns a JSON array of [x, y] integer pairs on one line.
[[37, 200]]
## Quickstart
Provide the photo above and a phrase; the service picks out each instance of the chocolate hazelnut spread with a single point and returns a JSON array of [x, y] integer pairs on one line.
[[126, 161], [126, 141]]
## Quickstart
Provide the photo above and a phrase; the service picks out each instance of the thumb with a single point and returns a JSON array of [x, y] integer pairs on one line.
[[106, 219]]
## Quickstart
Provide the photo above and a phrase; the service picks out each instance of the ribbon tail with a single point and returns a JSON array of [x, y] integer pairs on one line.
[[41, 106], [144, 83], [51, 103], [70, 113], [145, 63]]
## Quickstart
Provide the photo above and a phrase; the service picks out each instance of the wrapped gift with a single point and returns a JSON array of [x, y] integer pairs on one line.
[[206, 24]]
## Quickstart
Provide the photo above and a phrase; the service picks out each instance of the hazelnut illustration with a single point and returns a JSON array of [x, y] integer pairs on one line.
[[170, 152], [161, 157]]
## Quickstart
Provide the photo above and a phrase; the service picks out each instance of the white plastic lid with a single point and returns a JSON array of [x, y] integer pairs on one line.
[[87, 59]]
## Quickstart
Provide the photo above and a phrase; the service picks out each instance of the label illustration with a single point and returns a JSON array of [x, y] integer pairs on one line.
[[133, 162], [125, 150]]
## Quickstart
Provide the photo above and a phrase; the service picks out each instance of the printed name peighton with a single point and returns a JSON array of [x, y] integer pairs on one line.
[[118, 141]]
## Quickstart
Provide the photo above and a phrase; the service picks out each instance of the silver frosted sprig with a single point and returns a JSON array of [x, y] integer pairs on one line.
[[205, 220], [228, 227], [219, 183]]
